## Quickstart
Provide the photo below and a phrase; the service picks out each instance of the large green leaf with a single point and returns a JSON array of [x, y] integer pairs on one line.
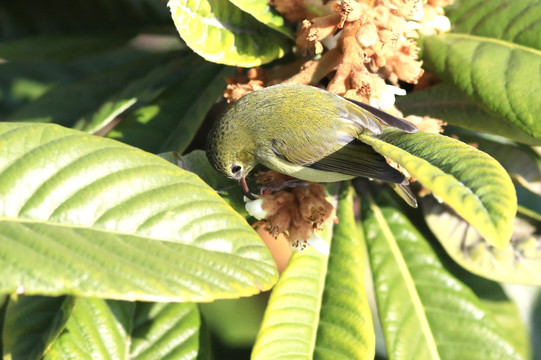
[[522, 162], [221, 32], [100, 329], [32, 324], [468, 180], [319, 308], [426, 312], [502, 76], [510, 20], [171, 122], [66, 104], [90, 216], [446, 102], [518, 262], [197, 162]]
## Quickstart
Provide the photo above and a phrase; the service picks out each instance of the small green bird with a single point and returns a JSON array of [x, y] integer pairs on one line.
[[304, 132]]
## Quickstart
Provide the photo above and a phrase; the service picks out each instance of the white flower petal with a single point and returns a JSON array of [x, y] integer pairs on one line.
[[318, 244], [254, 208]]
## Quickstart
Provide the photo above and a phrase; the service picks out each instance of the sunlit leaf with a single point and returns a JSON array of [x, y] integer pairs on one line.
[[319, 308], [468, 180], [446, 102], [426, 312], [502, 76], [221, 32], [262, 11], [102, 329], [90, 216], [514, 21]]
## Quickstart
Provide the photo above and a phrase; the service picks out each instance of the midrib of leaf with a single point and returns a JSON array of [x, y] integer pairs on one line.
[[410, 285], [494, 41]]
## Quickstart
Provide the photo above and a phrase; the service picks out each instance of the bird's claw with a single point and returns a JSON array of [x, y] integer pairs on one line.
[[279, 186]]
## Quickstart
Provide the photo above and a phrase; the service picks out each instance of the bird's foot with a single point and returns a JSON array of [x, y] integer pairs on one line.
[[293, 183]]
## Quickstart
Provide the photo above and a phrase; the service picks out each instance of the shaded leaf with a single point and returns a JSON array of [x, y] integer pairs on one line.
[[64, 105], [502, 76], [426, 312], [446, 102], [319, 306], [235, 322], [514, 21], [33, 323], [27, 79], [221, 32], [468, 180], [105, 219], [118, 330], [137, 92], [171, 121], [536, 328], [518, 262], [31, 17], [59, 48]]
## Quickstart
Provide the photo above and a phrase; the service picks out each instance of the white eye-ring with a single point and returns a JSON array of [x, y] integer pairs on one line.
[[235, 169]]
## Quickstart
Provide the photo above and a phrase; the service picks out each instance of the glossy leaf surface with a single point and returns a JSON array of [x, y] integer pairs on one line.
[[426, 312], [101, 218], [307, 316], [221, 32], [468, 180]]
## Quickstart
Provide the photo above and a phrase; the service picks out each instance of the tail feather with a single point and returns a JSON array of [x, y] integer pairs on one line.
[[405, 193]]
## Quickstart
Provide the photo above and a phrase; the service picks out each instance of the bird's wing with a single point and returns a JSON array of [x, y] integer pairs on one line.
[[340, 154], [381, 115]]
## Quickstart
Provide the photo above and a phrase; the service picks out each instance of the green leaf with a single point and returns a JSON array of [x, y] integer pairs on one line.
[[518, 262], [536, 328], [522, 162], [468, 180], [221, 32], [59, 48], [446, 102], [66, 104], [426, 312], [104, 16], [171, 122], [119, 330], [197, 162], [262, 11], [90, 216], [502, 76], [319, 308], [235, 322], [514, 21], [33, 323], [137, 92]]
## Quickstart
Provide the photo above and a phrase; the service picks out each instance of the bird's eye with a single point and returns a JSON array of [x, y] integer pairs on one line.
[[235, 169]]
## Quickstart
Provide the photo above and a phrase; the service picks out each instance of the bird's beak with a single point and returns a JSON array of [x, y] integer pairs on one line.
[[244, 188]]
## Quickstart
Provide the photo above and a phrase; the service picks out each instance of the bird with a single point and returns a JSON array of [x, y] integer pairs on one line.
[[305, 132]]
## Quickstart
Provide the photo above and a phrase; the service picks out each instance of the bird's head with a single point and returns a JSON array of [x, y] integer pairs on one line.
[[230, 154]]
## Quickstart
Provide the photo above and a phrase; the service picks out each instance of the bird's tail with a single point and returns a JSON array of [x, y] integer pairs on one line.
[[405, 193]]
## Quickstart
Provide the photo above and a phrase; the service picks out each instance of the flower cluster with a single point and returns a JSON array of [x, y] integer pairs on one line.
[[292, 207]]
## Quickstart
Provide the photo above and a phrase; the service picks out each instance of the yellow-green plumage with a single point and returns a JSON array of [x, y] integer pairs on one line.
[[301, 131]]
